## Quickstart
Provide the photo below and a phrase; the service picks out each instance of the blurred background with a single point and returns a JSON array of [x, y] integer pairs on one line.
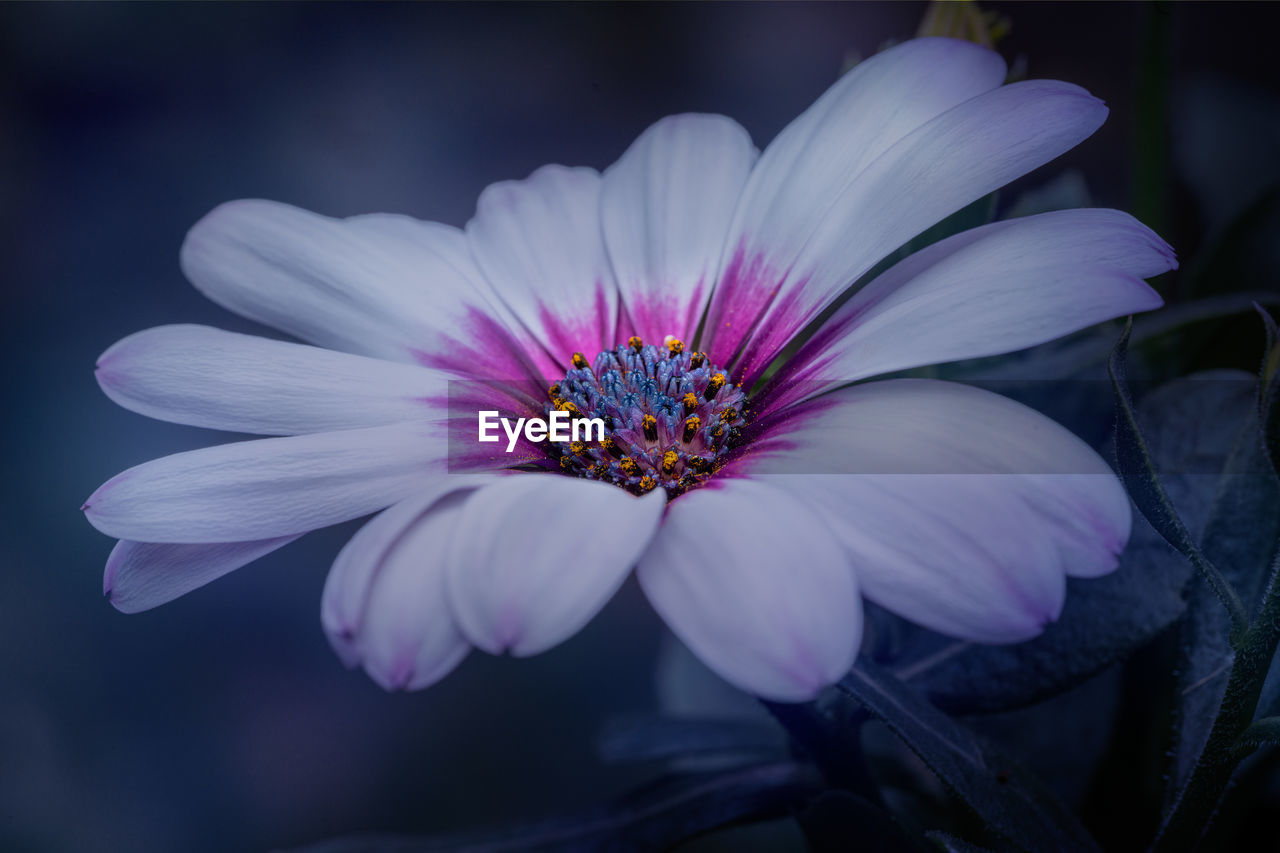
[[223, 721]]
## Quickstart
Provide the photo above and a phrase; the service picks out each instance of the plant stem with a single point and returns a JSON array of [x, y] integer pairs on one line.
[[835, 747], [1225, 748]]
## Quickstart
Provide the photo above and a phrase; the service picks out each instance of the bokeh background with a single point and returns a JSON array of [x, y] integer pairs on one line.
[[223, 721]]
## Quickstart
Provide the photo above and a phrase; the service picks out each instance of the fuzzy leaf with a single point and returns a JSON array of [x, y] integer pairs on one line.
[[1240, 533], [1012, 804], [1138, 469]]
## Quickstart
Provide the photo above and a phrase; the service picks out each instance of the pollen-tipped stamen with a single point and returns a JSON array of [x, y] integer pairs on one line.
[[669, 416], [714, 384]]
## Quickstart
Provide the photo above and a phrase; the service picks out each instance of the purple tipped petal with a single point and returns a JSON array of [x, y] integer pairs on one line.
[[385, 605], [536, 556], [222, 380], [754, 583], [957, 157], [805, 174], [539, 244], [962, 555], [933, 485], [994, 289], [666, 206], [268, 487], [379, 285], [142, 575]]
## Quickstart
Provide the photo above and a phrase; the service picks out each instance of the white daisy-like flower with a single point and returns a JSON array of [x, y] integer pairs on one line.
[[757, 507]]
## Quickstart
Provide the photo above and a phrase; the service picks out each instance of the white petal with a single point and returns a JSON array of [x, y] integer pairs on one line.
[[142, 575], [952, 160], [934, 431], [537, 555], [539, 243], [994, 289], [666, 206], [752, 581], [222, 380], [385, 604], [379, 285], [806, 171], [269, 487], [962, 555]]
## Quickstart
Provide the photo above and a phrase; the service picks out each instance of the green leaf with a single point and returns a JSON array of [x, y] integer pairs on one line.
[[1239, 535], [1193, 807], [1012, 804], [1142, 481], [1263, 732], [1244, 522]]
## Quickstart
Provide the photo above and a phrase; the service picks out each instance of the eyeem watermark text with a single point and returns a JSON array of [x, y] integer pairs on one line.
[[560, 427]]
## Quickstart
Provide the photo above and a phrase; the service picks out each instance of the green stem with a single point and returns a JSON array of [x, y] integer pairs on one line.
[[1142, 481], [1229, 739], [1263, 732], [834, 746]]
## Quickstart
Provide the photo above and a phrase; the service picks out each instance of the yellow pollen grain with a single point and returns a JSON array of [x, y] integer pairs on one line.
[[635, 343], [669, 460], [675, 346], [579, 360]]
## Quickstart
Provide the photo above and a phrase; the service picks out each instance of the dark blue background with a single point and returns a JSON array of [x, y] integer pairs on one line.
[[223, 721]]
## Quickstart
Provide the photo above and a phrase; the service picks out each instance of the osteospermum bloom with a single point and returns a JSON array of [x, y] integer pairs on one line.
[[757, 503]]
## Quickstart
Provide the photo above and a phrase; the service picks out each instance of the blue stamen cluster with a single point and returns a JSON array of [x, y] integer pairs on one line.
[[670, 416]]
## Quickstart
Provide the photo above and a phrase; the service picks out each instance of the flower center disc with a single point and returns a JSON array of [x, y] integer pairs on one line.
[[669, 416]]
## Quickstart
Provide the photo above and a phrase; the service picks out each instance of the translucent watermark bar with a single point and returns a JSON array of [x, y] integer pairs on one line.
[[513, 423]]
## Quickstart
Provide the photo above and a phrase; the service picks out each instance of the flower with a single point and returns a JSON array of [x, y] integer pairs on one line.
[[757, 506]]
